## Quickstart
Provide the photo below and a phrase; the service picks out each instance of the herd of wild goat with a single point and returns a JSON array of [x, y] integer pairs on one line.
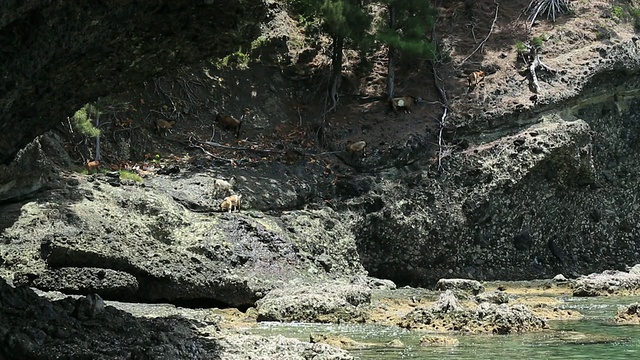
[[232, 200]]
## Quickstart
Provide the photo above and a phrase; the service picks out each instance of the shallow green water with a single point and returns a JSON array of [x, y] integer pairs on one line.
[[594, 337]]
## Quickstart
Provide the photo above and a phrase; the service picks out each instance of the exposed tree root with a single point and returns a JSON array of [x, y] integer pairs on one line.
[[534, 64]]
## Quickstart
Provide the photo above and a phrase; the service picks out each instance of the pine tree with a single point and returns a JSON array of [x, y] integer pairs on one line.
[[406, 33], [344, 21]]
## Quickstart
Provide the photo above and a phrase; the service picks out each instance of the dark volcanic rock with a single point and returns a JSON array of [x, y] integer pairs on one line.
[[139, 243], [51, 71], [241, 347], [105, 282], [629, 315], [33, 328], [446, 303], [494, 297]]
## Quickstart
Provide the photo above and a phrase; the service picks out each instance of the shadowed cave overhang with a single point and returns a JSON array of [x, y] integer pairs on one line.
[[57, 55]]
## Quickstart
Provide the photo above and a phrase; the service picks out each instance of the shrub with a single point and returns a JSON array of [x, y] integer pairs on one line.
[[537, 42], [550, 7], [83, 120], [617, 12]]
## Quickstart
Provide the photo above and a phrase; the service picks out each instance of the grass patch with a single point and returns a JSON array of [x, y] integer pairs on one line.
[[239, 58], [617, 12], [635, 14], [521, 49], [128, 175]]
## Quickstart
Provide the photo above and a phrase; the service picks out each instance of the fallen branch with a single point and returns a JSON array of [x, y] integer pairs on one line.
[[495, 18], [439, 83], [535, 64], [218, 145], [210, 154]]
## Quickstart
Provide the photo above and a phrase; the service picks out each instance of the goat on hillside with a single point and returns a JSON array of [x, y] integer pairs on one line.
[[230, 123], [230, 203]]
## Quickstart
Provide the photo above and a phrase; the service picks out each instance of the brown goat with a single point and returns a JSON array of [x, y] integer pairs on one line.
[[164, 126], [404, 102], [475, 78], [229, 122], [230, 203], [93, 166]]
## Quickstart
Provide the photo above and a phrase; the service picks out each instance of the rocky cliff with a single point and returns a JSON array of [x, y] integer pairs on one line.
[[525, 186]]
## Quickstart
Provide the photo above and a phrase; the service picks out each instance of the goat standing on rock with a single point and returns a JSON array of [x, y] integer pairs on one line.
[[224, 186], [230, 203]]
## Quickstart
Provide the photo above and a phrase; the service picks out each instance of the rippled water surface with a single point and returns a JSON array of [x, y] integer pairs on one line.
[[594, 337]]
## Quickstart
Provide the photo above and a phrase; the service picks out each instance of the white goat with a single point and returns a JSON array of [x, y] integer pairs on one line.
[[226, 187]]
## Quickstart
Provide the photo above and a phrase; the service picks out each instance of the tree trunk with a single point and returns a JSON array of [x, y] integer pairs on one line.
[[98, 137], [391, 62], [336, 70]]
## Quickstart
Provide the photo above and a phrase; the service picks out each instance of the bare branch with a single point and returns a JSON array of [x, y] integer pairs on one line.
[[495, 18]]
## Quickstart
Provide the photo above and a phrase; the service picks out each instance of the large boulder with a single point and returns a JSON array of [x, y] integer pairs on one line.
[[485, 318], [465, 285], [166, 240], [328, 303], [608, 282]]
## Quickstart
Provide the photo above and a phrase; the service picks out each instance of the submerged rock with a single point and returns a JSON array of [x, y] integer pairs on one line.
[[438, 340], [338, 341], [629, 315], [330, 303]]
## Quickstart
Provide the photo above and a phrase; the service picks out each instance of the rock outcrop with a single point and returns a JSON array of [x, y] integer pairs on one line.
[[35, 328], [327, 303], [629, 315], [485, 318], [609, 282]]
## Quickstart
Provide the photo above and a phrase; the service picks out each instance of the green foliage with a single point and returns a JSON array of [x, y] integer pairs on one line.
[[128, 175], [521, 48], [538, 41], [414, 19], [345, 18], [635, 14], [239, 58], [617, 12], [83, 120], [259, 42]]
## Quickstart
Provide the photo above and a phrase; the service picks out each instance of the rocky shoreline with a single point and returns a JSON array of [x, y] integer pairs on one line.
[[48, 325], [523, 186]]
